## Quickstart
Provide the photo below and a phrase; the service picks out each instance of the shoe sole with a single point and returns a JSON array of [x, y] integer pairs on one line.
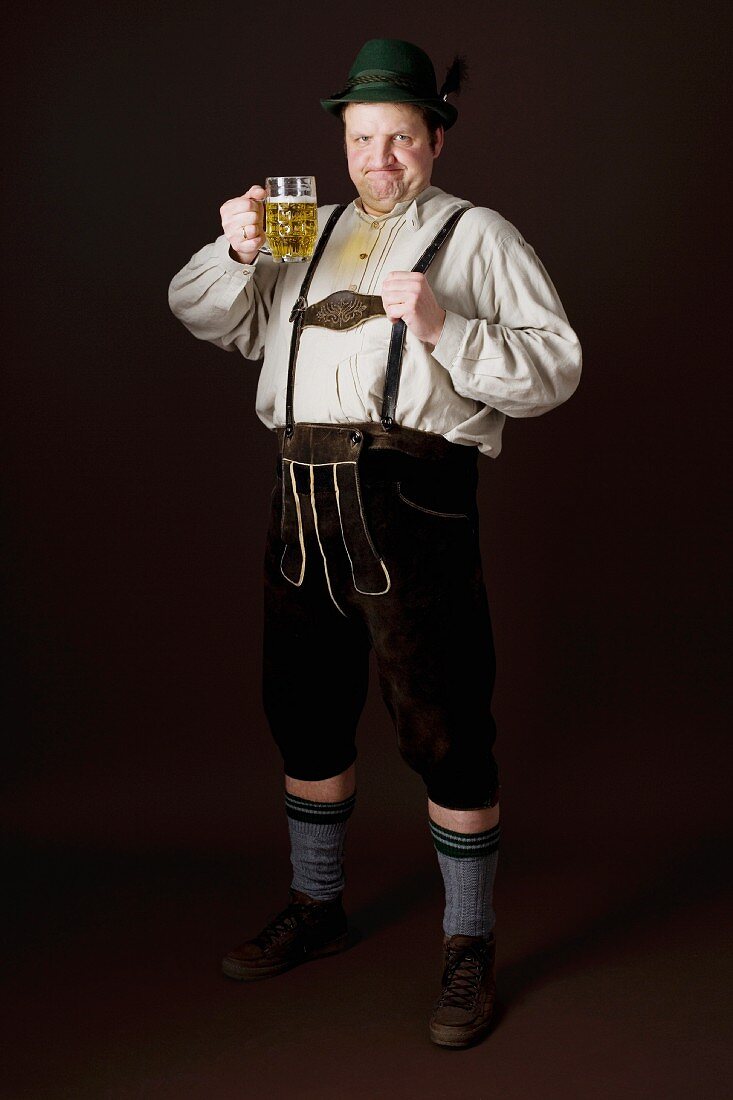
[[232, 969], [446, 1037]]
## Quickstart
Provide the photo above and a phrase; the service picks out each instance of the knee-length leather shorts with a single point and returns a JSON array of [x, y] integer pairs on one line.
[[371, 546]]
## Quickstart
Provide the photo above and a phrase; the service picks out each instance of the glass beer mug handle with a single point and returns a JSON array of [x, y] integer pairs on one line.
[[265, 248]]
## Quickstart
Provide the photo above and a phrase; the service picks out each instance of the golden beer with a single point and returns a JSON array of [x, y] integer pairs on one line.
[[291, 227]]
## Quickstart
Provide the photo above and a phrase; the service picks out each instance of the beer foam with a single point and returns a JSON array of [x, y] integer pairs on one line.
[[291, 198]]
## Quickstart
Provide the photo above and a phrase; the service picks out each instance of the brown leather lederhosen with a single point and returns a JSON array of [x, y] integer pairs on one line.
[[338, 447]]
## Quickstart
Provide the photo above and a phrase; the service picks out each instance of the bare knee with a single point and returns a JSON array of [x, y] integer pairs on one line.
[[332, 789]]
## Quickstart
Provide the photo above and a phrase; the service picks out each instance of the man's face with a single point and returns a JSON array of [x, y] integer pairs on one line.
[[388, 152]]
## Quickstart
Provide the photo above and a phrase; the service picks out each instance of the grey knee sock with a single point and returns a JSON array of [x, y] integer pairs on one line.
[[468, 865], [317, 836]]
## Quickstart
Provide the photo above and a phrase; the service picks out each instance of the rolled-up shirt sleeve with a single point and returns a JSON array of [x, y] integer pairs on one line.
[[521, 357], [222, 301]]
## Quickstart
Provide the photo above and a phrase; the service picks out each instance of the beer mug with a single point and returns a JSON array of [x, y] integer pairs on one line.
[[291, 218]]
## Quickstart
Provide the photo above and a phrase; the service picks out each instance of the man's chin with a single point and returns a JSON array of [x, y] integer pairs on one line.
[[385, 190]]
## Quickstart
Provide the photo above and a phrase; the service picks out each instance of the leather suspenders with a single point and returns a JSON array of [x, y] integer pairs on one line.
[[397, 340], [296, 315]]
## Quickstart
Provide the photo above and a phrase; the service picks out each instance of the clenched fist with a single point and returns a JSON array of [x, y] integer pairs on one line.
[[242, 220], [408, 294]]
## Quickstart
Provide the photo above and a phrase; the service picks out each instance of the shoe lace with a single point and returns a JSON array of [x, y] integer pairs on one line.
[[462, 980], [287, 920]]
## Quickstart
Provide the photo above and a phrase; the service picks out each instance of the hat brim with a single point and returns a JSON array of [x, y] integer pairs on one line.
[[388, 93]]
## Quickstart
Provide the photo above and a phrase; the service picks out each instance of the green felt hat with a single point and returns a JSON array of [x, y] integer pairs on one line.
[[388, 70]]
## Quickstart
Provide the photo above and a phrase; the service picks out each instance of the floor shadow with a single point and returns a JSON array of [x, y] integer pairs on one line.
[[688, 879], [388, 908]]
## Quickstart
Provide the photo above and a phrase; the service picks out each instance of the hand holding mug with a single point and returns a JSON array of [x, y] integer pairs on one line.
[[243, 223]]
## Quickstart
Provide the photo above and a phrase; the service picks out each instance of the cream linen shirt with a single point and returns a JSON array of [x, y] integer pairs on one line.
[[506, 348]]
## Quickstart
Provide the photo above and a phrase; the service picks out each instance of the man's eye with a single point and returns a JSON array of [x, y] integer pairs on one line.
[[405, 136]]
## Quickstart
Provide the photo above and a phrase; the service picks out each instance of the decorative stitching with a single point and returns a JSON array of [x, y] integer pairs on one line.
[[300, 533], [318, 536], [344, 310], [339, 462], [366, 532], [429, 511]]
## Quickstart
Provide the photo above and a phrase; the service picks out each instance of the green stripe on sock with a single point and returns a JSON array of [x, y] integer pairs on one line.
[[318, 813], [306, 802], [465, 845]]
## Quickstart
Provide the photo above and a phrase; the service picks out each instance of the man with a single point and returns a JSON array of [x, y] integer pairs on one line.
[[373, 538]]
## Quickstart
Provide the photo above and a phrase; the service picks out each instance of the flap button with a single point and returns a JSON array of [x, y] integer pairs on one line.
[[355, 437]]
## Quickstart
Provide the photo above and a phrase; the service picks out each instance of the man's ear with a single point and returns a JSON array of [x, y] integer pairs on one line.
[[439, 140]]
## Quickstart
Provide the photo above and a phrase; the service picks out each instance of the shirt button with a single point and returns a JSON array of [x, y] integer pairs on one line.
[[375, 225], [353, 286], [362, 255]]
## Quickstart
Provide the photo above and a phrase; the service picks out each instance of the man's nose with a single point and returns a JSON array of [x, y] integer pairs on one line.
[[384, 157]]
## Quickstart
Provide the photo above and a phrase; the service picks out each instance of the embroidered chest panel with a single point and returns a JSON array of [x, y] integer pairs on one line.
[[344, 309]]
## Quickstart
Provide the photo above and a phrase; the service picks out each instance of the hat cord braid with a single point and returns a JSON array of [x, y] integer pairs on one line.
[[381, 78]]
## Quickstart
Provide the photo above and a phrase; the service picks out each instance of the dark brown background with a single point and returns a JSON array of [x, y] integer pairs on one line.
[[143, 797]]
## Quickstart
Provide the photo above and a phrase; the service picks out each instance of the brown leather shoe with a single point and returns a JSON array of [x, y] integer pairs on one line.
[[462, 1014], [304, 929]]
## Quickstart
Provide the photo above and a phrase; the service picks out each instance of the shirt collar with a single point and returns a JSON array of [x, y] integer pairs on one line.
[[411, 208]]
